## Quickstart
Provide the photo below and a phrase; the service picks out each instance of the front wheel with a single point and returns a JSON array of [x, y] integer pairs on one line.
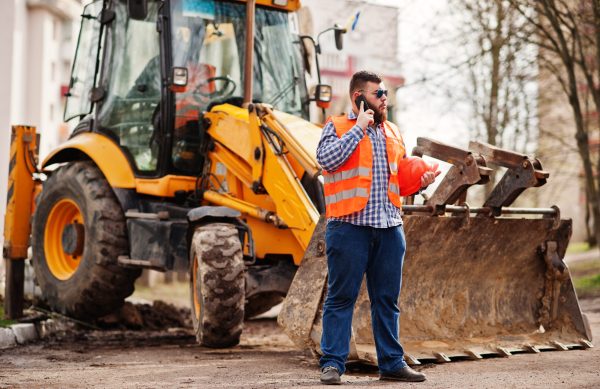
[[78, 231], [217, 285]]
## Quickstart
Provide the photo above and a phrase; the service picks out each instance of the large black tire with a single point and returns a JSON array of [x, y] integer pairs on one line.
[[89, 283], [217, 285]]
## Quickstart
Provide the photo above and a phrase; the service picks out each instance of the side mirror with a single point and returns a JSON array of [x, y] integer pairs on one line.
[[323, 94], [137, 9], [339, 41]]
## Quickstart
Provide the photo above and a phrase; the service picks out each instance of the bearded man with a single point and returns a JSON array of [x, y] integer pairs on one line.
[[360, 154]]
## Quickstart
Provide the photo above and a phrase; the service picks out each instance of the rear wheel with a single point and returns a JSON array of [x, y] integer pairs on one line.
[[78, 231], [217, 285]]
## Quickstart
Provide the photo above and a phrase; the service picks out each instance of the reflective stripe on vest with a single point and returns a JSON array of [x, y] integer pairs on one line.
[[346, 195], [347, 174], [395, 188]]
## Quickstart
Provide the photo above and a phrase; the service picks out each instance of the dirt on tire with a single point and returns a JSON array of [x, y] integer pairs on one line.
[[218, 285]]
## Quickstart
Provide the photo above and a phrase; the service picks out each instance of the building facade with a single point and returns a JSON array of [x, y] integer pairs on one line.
[[38, 39], [365, 48]]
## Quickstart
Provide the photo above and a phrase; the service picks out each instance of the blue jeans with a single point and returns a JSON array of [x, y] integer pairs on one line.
[[353, 251]]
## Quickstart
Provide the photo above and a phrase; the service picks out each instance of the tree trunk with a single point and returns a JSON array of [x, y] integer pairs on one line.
[[583, 147], [491, 121]]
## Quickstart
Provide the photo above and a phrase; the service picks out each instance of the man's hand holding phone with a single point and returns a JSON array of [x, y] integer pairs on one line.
[[365, 118]]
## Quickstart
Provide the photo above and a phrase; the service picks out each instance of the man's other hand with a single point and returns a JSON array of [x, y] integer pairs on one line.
[[365, 118], [428, 177]]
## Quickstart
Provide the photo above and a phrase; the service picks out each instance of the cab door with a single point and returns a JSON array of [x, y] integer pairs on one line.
[[129, 91]]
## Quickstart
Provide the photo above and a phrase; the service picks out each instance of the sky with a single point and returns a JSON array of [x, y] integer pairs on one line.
[[423, 110]]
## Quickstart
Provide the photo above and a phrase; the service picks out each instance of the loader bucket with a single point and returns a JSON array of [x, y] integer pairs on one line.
[[476, 282]]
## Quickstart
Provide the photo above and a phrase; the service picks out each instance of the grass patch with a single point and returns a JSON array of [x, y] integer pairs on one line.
[[585, 268], [578, 247], [588, 286], [5, 322], [586, 278]]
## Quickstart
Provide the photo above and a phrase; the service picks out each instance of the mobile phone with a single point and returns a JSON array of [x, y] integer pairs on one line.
[[362, 98]]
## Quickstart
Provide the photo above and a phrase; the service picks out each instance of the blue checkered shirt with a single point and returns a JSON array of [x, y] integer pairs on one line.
[[333, 151]]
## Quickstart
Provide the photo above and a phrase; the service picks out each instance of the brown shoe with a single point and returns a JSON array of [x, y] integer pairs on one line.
[[405, 374]]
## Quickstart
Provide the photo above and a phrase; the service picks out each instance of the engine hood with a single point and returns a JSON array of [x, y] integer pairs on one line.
[[307, 134]]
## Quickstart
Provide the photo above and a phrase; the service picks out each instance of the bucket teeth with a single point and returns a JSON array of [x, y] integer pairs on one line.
[[503, 352], [532, 348], [441, 357], [559, 346], [585, 343], [411, 360], [473, 354]]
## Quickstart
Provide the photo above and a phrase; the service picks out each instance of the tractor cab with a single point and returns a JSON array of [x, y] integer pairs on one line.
[[144, 73]]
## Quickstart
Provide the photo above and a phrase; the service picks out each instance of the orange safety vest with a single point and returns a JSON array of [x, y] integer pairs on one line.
[[348, 188]]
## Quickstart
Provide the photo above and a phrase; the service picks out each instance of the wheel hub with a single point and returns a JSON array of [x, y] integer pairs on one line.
[[196, 298], [73, 238], [64, 238]]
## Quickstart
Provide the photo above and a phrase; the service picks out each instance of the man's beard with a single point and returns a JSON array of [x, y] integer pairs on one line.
[[380, 116]]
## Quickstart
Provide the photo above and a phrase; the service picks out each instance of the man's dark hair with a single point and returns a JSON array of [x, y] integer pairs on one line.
[[359, 79]]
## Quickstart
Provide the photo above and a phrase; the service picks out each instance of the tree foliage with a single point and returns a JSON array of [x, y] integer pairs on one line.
[[502, 72]]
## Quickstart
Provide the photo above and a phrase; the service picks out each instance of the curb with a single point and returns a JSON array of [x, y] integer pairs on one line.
[[7, 338], [23, 333], [17, 334]]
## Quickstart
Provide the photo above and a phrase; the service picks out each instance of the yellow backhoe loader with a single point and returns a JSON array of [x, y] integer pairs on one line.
[[193, 150]]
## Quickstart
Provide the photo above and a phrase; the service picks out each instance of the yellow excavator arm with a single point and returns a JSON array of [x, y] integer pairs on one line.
[[19, 207], [263, 165]]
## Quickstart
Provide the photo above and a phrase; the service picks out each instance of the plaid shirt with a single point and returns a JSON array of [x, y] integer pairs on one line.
[[333, 151]]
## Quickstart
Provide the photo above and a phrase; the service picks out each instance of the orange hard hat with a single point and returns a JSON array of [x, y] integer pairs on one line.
[[410, 171]]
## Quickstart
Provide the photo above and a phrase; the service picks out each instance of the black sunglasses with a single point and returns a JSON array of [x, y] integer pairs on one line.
[[380, 92]]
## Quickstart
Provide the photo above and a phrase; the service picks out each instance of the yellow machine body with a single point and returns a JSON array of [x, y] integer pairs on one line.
[[21, 191]]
